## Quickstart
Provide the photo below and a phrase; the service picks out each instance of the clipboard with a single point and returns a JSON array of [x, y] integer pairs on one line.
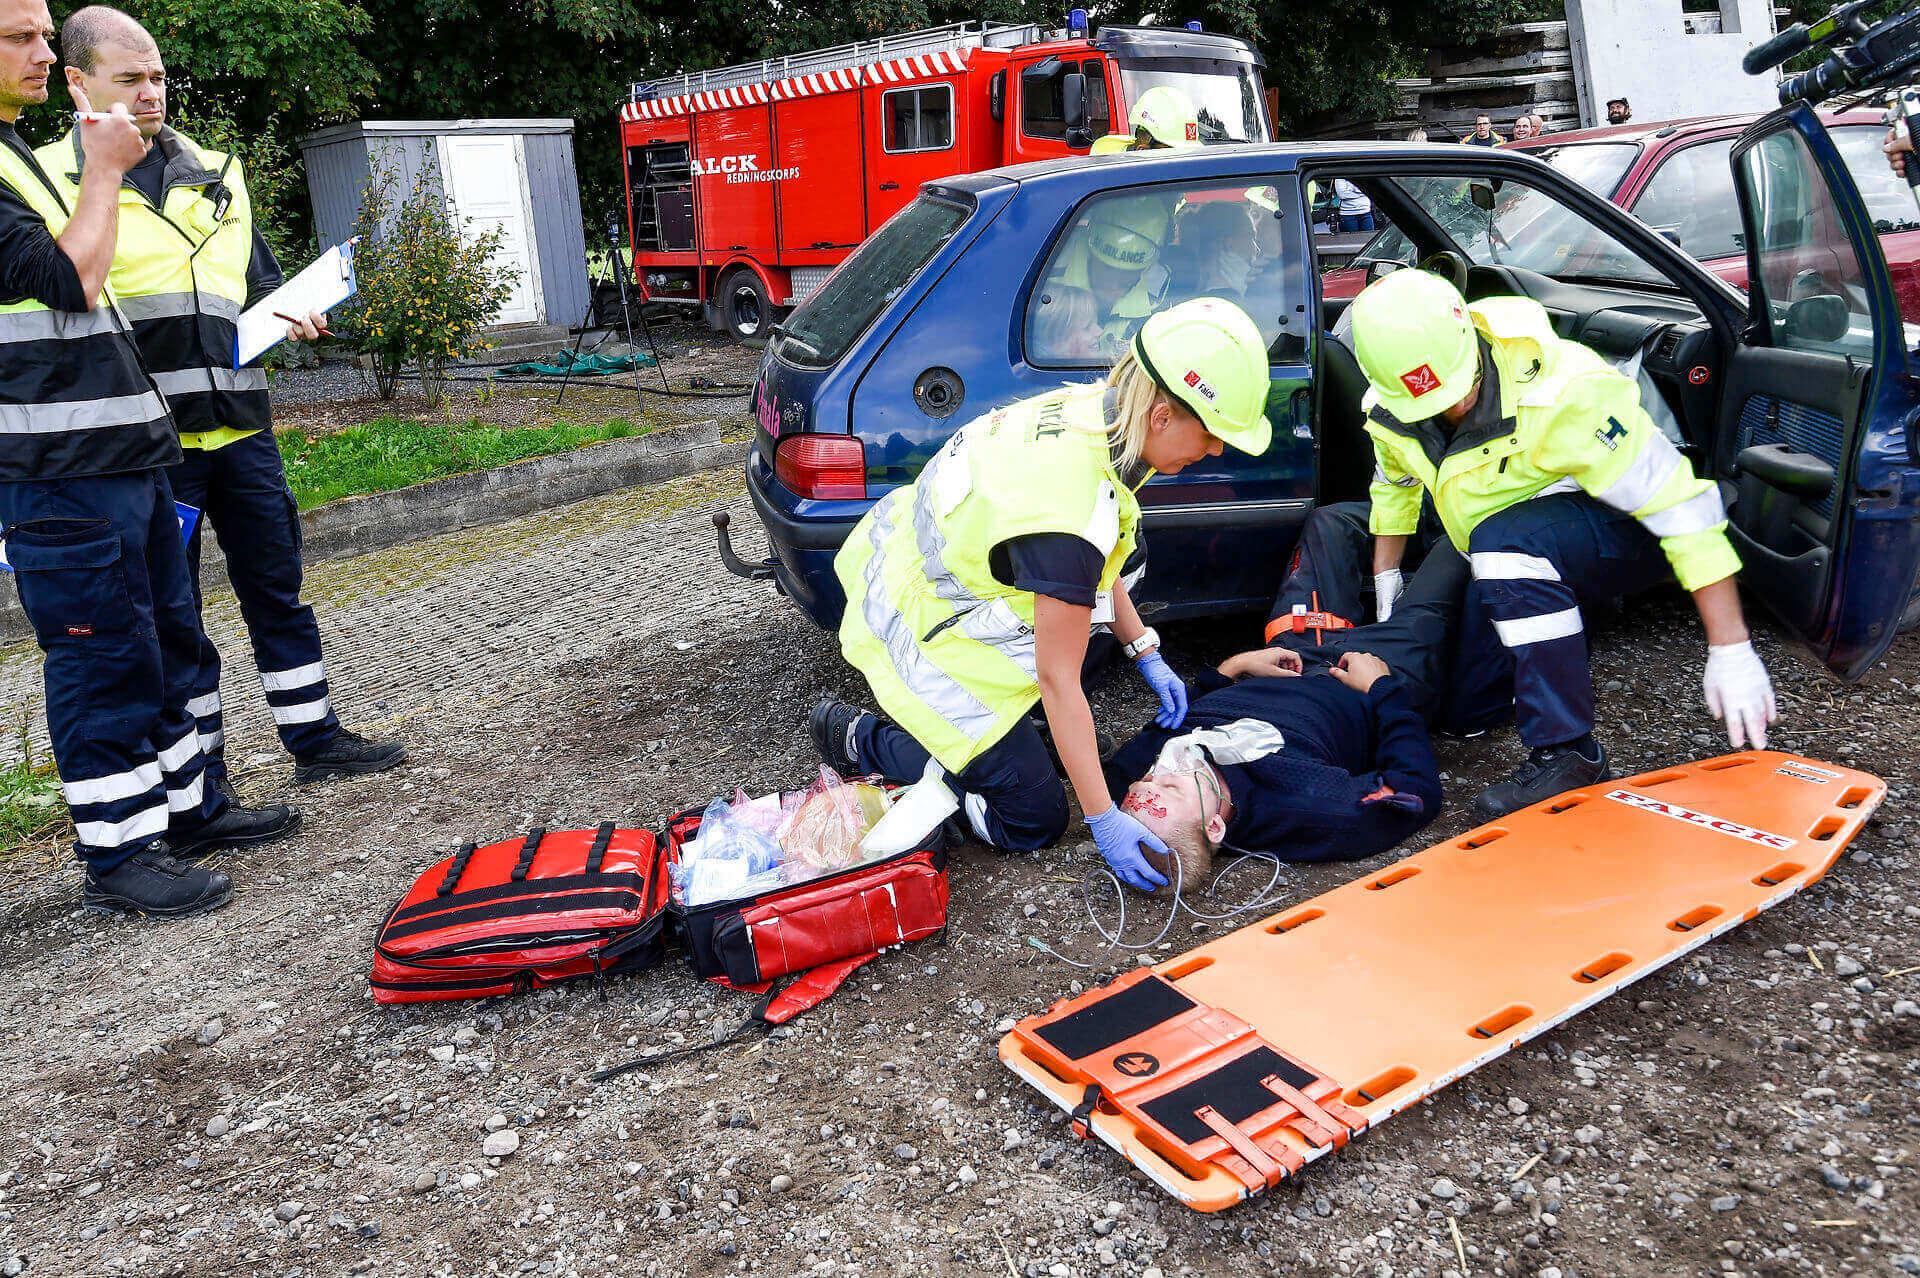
[[326, 283]]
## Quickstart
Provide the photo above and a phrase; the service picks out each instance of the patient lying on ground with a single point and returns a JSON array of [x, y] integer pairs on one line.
[[1314, 750]]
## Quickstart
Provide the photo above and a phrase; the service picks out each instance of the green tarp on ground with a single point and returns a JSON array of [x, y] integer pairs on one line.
[[572, 364]]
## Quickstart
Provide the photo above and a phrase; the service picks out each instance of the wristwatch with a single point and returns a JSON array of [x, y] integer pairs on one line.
[[1149, 638]]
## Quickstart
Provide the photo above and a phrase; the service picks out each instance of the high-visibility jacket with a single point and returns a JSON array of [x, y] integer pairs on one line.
[[180, 274], [73, 397], [1119, 322], [947, 647], [1568, 423]]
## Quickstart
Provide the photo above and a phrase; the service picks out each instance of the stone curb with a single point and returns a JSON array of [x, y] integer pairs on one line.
[[375, 521]]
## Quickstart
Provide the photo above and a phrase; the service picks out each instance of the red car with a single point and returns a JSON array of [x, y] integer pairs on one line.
[[1675, 177]]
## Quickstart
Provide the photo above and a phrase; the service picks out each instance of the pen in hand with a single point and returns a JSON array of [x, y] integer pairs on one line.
[[323, 329]]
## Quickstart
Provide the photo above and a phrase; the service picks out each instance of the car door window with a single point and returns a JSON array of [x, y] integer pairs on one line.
[[1527, 228], [1043, 114], [1691, 196], [1889, 200], [1809, 285], [1127, 254]]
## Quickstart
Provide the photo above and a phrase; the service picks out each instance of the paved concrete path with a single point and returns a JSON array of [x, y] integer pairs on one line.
[[474, 615]]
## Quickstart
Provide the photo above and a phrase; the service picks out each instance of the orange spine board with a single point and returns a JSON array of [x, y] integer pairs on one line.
[[1387, 988]]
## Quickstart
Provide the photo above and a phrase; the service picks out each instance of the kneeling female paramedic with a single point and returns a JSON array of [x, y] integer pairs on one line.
[[972, 591]]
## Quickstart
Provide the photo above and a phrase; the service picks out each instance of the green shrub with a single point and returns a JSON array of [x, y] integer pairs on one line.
[[425, 291]]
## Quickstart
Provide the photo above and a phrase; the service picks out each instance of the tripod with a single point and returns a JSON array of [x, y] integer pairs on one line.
[[618, 270]]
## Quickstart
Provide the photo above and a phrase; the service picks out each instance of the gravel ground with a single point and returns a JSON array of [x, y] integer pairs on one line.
[[337, 392], [219, 1096]]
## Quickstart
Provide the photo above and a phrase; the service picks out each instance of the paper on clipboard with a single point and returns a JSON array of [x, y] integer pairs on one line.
[[325, 284]]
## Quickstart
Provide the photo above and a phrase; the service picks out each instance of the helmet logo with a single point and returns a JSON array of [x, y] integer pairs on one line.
[[1420, 381], [1199, 383], [1193, 130]]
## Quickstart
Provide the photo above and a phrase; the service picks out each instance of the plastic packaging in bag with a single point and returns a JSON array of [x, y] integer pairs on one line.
[[823, 833], [730, 858]]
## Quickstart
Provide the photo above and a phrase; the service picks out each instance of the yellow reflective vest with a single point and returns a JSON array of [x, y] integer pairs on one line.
[[180, 275], [947, 647], [73, 397], [1568, 423]]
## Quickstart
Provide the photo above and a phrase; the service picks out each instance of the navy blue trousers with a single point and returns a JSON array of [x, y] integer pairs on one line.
[[103, 578], [241, 490], [1011, 795], [1534, 565]]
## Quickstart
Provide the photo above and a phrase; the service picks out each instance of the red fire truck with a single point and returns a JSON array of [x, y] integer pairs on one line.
[[747, 185]]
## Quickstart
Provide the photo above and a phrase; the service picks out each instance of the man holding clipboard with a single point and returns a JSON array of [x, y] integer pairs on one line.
[[189, 260], [90, 523]]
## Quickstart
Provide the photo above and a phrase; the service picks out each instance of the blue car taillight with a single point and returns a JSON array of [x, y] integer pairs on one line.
[[826, 467]]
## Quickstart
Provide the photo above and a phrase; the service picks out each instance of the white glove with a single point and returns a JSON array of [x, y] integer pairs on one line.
[[1738, 690], [1386, 588]]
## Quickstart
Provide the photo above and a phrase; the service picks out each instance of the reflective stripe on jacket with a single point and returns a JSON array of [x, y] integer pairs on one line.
[[1569, 423], [946, 646], [180, 277], [73, 398]]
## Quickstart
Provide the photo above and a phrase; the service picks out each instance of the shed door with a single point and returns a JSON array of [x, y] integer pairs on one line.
[[485, 184]]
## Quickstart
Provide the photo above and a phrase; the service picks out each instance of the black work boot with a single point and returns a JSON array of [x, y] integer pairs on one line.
[[235, 827], [153, 883], [1549, 770], [347, 754], [831, 727]]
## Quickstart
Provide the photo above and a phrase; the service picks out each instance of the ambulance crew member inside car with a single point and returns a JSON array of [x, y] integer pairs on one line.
[[1162, 120], [972, 591], [189, 260], [90, 528], [1111, 274], [1545, 470]]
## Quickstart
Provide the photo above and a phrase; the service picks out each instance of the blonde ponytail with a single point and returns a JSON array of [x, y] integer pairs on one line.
[[1134, 395]]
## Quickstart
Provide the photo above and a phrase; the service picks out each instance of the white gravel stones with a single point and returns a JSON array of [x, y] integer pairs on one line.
[[1445, 1190], [442, 1052], [218, 1126], [1010, 1140], [1587, 1135], [1516, 1106], [212, 1032], [496, 1122], [424, 1181], [966, 1175], [500, 1144], [781, 1183], [1847, 965], [290, 1210]]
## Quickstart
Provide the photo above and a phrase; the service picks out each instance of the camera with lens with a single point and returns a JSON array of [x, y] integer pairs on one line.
[[1862, 53]]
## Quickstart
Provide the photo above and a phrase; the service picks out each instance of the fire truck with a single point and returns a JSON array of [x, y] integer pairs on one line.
[[747, 185]]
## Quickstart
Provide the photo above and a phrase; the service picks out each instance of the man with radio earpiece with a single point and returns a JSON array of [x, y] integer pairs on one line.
[[188, 261]]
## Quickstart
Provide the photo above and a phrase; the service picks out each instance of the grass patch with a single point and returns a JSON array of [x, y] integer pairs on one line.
[[392, 452], [30, 806]]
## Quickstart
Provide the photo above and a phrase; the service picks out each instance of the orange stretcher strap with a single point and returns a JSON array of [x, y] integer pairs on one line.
[[1217, 1080]]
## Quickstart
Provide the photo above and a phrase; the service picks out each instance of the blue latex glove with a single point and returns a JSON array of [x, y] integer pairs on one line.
[[1120, 838], [1167, 686]]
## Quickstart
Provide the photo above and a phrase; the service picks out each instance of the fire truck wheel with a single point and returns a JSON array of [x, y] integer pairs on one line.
[[743, 306]]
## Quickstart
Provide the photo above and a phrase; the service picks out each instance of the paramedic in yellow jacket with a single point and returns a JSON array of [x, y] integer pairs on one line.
[[1163, 119], [1108, 281], [1544, 469], [971, 592]]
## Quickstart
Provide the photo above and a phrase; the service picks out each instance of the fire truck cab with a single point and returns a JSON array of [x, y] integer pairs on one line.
[[747, 185]]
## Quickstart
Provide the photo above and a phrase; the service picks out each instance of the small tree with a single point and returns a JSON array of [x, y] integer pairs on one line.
[[425, 292]]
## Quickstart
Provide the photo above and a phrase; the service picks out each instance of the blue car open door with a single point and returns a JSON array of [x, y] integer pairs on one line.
[[1819, 405]]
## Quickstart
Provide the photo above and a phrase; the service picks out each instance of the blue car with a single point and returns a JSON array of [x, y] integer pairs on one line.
[[1798, 396]]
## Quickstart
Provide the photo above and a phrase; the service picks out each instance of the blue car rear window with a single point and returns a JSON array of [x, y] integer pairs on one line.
[[820, 331]]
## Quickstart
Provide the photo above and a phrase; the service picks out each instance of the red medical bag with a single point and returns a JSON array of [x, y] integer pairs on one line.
[[523, 913], [858, 911]]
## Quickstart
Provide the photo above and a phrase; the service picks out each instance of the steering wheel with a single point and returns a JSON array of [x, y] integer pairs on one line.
[[1449, 266]]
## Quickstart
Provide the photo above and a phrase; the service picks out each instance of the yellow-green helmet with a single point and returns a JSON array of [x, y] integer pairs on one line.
[[1168, 117], [1126, 232], [1207, 354], [1416, 343]]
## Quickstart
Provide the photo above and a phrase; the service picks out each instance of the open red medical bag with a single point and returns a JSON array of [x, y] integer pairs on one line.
[[529, 912]]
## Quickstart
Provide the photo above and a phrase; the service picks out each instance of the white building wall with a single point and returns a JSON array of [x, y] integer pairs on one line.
[[1667, 64]]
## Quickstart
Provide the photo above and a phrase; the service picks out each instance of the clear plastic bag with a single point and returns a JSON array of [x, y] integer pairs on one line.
[[824, 830], [730, 858]]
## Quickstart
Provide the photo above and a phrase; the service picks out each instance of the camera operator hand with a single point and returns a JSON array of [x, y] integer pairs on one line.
[[1897, 147]]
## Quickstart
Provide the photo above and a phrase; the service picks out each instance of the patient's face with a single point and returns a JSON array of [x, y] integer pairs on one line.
[[1167, 804], [1188, 811]]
